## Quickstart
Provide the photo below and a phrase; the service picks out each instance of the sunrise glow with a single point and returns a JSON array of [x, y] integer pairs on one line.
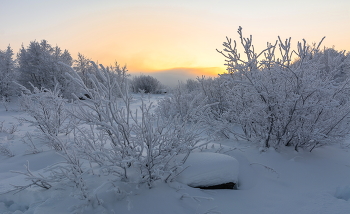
[[160, 36]]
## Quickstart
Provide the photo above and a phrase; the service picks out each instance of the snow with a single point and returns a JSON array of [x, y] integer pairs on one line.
[[209, 169], [343, 193], [282, 181]]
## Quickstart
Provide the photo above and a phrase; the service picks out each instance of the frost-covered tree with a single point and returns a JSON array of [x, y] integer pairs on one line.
[[84, 67], [42, 65], [7, 74], [148, 84], [292, 98], [121, 75]]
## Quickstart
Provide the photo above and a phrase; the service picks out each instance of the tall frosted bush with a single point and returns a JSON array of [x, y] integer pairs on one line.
[[281, 97]]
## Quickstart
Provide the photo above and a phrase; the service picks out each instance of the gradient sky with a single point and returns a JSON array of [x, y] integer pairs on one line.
[[176, 37]]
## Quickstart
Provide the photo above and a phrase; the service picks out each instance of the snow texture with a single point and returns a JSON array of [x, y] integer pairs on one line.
[[285, 182]]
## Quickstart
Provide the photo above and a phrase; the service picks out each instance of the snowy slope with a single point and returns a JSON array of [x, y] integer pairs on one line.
[[269, 182]]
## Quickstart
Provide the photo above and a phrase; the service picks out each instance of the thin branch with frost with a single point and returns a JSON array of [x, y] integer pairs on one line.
[[5, 103], [6, 151], [10, 130], [30, 143], [36, 180]]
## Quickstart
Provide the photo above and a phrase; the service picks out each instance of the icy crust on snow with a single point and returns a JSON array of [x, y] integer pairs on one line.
[[209, 169]]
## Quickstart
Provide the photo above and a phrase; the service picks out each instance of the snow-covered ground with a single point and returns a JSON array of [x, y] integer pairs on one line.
[[268, 182]]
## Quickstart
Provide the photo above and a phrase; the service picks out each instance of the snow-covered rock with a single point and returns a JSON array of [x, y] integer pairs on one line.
[[204, 169]]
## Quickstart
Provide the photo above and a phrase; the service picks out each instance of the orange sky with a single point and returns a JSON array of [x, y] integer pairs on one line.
[[165, 36]]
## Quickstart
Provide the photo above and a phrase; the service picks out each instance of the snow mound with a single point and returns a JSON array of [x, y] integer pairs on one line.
[[205, 169], [343, 193]]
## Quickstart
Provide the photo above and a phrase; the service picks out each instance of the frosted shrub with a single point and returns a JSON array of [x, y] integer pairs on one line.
[[120, 140], [147, 84], [187, 105], [213, 90], [192, 85], [47, 108], [161, 143], [219, 120], [201, 101], [299, 99]]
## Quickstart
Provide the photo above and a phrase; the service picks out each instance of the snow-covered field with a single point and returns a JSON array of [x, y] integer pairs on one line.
[[268, 182]]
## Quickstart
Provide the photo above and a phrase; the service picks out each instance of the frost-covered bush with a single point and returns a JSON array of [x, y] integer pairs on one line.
[[121, 141], [147, 84], [110, 142], [213, 90], [192, 85], [48, 110], [203, 100], [185, 104], [299, 99]]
